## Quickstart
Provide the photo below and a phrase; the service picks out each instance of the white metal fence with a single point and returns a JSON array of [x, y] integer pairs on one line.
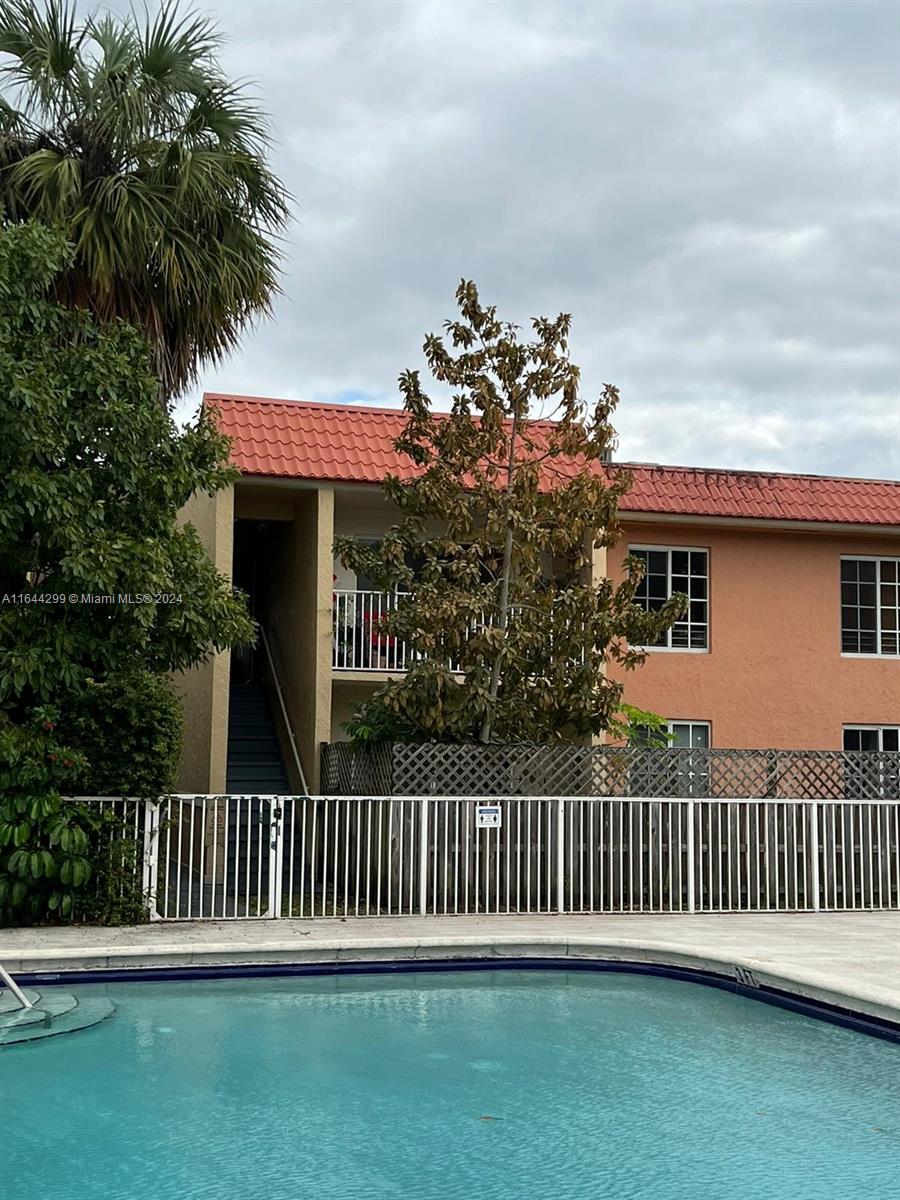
[[215, 857]]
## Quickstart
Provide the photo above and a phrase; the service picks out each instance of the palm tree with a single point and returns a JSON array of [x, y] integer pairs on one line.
[[126, 134]]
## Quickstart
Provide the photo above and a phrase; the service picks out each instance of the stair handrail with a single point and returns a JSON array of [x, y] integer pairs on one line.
[[14, 987], [284, 715]]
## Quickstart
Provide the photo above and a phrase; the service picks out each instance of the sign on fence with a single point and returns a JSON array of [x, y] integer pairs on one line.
[[488, 816]]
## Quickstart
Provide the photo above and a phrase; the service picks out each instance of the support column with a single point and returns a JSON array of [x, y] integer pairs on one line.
[[301, 624], [204, 689]]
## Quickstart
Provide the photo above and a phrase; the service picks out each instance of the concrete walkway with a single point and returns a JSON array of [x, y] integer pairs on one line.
[[848, 959]]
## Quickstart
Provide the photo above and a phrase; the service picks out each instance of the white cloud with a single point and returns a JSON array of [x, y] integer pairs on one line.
[[713, 190]]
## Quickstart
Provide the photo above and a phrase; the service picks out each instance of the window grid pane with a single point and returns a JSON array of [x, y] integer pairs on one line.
[[672, 571], [872, 738], [653, 588], [870, 606]]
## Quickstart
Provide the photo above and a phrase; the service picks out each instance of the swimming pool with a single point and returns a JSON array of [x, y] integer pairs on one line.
[[512, 1085]]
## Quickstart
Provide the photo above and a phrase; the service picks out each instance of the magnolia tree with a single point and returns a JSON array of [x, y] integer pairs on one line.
[[509, 496]]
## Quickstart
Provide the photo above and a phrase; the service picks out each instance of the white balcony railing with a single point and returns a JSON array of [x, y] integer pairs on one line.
[[360, 642]]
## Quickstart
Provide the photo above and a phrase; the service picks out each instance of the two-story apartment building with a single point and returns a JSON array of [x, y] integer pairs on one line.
[[791, 640]]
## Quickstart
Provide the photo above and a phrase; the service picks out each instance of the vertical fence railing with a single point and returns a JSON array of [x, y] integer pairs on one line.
[[627, 856], [214, 857], [224, 857], [513, 867], [348, 856], [360, 641], [120, 847]]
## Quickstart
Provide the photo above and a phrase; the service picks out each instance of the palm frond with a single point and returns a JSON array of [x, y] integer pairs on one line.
[[49, 180], [44, 48], [125, 132], [178, 52], [116, 45]]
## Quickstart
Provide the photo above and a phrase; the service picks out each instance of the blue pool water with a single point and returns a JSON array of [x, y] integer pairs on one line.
[[597, 1085]]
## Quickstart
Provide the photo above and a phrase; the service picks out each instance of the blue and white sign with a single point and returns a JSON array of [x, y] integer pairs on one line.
[[488, 816]]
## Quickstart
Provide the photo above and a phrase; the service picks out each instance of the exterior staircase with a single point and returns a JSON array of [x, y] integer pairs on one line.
[[255, 765], [54, 1012]]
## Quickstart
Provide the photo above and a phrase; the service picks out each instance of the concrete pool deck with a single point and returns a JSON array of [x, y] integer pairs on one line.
[[849, 960]]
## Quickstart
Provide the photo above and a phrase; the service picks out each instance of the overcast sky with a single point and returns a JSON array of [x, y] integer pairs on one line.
[[711, 189]]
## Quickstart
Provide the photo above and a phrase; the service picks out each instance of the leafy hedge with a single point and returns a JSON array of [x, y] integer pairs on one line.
[[121, 737], [129, 730], [44, 843]]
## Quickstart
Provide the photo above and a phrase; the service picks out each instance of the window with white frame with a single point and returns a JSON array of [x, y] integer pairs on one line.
[[689, 735], [870, 606], [672, 569], [683, 735], [872, 737], [659, 773]]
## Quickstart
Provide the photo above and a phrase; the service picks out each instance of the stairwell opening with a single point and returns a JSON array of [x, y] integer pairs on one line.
[[256, 762]]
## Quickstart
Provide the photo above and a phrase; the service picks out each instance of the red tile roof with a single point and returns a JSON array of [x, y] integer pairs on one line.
[[762, 495], [345, 443]]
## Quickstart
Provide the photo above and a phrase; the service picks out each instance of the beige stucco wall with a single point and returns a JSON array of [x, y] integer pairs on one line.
[[204, 689], [300, 623], [345, 696], [364, 513], [774, 675]]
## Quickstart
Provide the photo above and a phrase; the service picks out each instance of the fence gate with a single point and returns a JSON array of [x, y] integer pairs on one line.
[[213, 857]]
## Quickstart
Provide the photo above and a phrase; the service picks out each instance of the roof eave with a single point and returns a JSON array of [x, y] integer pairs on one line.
[[634, 516]]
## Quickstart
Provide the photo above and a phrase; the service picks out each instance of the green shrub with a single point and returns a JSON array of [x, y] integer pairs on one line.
[[374, 723], [44, 842], [128, 730], [60, 859]]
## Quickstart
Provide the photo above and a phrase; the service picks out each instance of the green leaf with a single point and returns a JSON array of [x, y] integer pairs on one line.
[[22, 833], [18, 862]]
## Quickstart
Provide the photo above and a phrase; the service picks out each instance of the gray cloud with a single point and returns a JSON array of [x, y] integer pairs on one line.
[[713, 191]]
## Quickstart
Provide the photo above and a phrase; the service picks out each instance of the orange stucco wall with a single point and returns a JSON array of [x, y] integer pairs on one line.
[[774, 675]]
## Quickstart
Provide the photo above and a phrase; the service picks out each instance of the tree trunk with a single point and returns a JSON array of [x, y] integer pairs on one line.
[[488, 723]]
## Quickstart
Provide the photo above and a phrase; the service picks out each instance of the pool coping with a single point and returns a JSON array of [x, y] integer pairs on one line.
[[801, 989]]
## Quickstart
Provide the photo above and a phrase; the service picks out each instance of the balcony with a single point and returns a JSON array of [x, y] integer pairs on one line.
[[359, 642]]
